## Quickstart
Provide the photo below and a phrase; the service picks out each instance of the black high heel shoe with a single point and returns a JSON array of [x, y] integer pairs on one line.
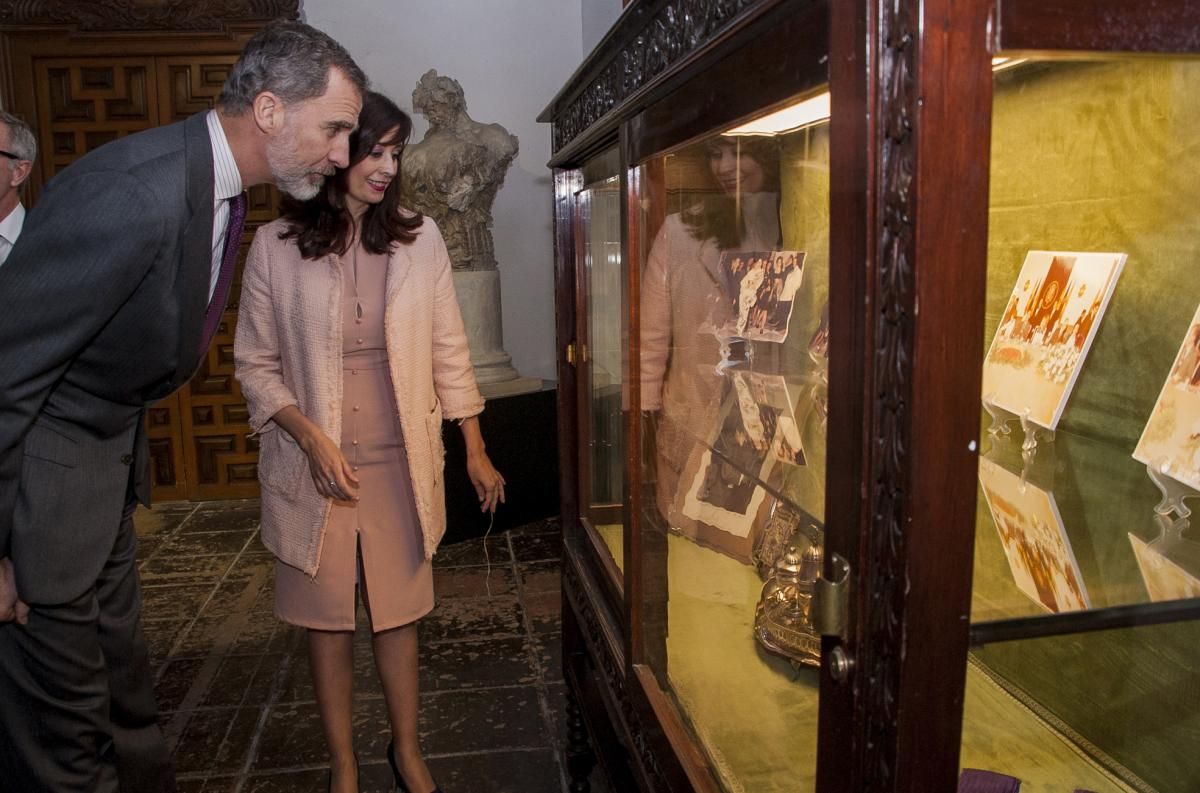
[[403, 788]]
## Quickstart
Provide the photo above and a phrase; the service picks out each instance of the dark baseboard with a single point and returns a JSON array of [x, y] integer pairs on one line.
[[521, 436]]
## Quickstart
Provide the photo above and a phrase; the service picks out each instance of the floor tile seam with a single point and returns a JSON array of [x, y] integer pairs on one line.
[[483, 565], [183, 533], [224, 742], [191, 514], [203, 555], [291, 769], [373, 696], [281, 674], [439, 568], [202, 683], [162, 541], [223, 577], [542, 692], [262, 658], [196, 617], [210, 709], [472, 639], [530, 634], [550, 720], [275, 770], [470, 599], [535, 659], [441, 598]]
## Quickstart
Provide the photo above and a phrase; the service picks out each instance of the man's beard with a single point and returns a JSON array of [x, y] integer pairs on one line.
[[290, 174]]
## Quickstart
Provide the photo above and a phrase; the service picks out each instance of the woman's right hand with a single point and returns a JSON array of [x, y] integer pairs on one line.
[[332, 474]]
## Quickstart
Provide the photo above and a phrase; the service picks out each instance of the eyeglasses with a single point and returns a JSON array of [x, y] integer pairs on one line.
[[10, 155]]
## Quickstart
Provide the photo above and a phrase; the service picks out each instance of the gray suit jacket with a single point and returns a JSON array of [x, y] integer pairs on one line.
[[103, 302]]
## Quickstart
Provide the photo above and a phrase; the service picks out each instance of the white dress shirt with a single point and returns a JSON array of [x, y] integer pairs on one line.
[[227, 183], [10, 229]]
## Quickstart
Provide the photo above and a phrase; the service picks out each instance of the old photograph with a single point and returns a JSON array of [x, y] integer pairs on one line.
[[1170, 441], [1046, 331], [760, 289], [1035, 543]]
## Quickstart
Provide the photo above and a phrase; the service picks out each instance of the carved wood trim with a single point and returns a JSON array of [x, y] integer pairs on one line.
[[582, 602], [143, 15], [885, 566], [665, 37]]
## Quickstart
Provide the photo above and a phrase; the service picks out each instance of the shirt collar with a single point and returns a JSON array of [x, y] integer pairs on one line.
[[10, 227], [227, 180]]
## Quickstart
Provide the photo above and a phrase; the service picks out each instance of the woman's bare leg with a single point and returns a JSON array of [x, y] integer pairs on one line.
[[396, 660], [331, 656]]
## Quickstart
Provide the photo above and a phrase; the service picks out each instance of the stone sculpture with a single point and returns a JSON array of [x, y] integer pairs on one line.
[[452, 175]]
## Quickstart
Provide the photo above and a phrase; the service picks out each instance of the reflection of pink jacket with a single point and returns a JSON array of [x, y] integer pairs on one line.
[[288, 351], [678, 292]]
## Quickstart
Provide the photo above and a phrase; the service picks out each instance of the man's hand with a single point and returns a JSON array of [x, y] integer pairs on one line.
[[11, 608]]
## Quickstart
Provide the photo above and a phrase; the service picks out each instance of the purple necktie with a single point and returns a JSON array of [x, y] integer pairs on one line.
[[233, 240]]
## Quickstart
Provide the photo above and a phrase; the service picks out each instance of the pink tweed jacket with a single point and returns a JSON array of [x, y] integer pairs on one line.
[[288, 351]]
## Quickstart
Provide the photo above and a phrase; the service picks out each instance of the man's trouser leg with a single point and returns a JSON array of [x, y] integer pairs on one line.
[[79, 711]]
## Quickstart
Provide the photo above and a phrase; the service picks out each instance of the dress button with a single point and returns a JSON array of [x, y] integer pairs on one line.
[[353, 443], [354, 468], [360, 341], [353, 371], [356, 408], [126, 459]]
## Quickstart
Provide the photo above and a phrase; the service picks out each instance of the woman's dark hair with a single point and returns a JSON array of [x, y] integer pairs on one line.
[[714, 215], [321, 225]]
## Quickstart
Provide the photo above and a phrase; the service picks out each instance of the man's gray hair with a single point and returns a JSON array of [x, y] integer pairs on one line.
[[21, 140], [291, 60]]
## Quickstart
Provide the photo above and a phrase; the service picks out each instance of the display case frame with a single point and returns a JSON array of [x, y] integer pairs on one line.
[[911, 111]]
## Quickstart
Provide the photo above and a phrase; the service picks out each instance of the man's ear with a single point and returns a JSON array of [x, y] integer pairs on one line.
[[268, 112], [21, 172]]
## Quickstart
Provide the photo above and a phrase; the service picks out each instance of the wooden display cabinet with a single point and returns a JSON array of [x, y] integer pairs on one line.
[[704, 426]]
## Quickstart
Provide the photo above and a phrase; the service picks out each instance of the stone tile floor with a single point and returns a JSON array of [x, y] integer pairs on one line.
[[234, 688]]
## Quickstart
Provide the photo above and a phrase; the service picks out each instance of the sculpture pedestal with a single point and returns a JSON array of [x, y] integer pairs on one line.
[[478, 294]]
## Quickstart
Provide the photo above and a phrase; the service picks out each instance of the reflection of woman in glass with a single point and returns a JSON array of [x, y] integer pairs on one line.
[[683, 290]]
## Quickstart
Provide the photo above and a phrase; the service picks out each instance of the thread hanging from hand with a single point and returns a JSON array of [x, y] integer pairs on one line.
[[487, 558]]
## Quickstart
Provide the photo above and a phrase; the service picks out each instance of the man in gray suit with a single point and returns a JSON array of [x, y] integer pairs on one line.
[[110, 299]]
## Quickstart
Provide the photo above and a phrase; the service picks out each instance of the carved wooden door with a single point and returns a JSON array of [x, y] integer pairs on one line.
[[199, 440]]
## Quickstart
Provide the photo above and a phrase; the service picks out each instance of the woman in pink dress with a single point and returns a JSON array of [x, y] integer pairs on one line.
[[350, 350]]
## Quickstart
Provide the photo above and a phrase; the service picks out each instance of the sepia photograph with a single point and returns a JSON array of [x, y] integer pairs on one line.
[[760, 289], [1046, 331], [1035, 542], [771, 401], [1170, 441]]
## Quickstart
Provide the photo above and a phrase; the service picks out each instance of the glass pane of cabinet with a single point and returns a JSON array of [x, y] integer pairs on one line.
[[1091, 430], [733, 236], [601, 356]]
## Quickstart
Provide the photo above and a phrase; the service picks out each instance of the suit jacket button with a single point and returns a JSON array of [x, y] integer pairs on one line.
[[126, 459]]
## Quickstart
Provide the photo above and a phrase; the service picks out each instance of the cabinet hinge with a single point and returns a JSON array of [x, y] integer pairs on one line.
[[571, 353], [831, 600]]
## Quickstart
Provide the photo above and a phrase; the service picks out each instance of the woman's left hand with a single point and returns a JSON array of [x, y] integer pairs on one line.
[[489, 484]]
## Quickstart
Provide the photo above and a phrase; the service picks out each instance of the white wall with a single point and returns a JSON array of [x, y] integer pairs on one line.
[[598, 17], [511, 57]]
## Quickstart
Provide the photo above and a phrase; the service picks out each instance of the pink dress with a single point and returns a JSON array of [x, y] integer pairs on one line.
[[376, 541]]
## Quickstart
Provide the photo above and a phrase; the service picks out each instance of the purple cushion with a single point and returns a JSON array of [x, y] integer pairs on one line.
[[976, 781]]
